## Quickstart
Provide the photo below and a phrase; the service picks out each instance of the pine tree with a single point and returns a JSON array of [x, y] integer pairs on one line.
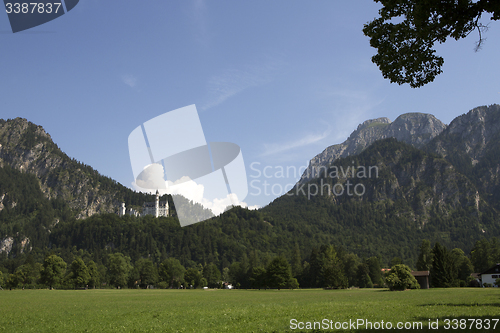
[[375, 271], [296, 261], [424, 262], [333, 270], [278, 273], [442, 267]]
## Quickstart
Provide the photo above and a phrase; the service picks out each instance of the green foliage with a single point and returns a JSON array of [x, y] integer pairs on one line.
[[400, 278], [238, 273], [278, 273], [332, 269], [119, 269], [258, 278], [398, 211], [28, 274], [443, 269], [384, 226], [79, 273], [396, 261], [363, 275], [94, 275], [172, 272], [462, 264], [193, 277], [25, 209], [293, 283], [406, 51], [13, 281], [485, 254], [296, 261], [375, 271], [313, 274], [53, 270], [351, 263], [424, 262], [148, 274], [212, 274], [390, 221]]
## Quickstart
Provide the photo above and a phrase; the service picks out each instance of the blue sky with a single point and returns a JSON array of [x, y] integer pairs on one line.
[[282, 79]]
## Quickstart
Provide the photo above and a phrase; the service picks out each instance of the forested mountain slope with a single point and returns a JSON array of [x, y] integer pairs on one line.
[[416, 196], [440, 185], [26, 147]]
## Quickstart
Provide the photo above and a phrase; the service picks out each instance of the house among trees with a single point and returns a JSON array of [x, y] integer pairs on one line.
[[490, 275], [422, 278]]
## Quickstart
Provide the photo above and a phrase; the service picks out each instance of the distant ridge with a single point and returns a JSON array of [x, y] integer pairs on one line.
[[415, 129]]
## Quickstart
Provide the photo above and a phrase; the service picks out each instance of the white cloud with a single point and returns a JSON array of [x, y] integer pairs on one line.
[[276, 148], [233, 81], [152, 179], [197, 14], [129, 80], [254, 207]]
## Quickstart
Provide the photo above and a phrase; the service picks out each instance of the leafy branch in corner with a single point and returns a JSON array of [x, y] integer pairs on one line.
[[406, 31]]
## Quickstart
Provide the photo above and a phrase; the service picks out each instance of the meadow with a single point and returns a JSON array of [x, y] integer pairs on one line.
[[242, 310]]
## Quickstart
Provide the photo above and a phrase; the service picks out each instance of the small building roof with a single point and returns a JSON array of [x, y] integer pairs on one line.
[[420, 273], [492, 270]]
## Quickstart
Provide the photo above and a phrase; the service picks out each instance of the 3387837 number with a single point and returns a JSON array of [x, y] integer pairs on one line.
[[470, 324], [32, 7]]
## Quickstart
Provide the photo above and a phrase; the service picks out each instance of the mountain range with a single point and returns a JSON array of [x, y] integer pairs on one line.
[[433, 181]]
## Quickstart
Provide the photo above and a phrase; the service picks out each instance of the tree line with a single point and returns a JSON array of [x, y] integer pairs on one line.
[[327, 266]]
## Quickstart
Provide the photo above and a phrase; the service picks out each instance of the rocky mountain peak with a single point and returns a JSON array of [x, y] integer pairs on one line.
[[13, 131], [484, 119], [416, 129], [367, 123], [29, 148], [470, 133]]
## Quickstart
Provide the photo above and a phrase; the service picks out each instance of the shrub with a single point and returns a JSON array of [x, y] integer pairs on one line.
[[293, 283], [400, 278], [162, 285]]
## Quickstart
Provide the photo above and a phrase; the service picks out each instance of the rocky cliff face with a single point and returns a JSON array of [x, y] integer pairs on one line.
[[28, 148], [472, 144], [469, 133], [422, 185], [415, 129]]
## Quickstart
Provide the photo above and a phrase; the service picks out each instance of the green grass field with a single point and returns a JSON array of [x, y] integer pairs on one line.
[[237, 310]]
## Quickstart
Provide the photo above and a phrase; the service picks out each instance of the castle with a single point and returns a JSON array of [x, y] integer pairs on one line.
[[157, 208]]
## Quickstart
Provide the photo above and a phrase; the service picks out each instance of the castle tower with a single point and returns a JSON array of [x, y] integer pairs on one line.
[[122, 209], [157, 204]]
